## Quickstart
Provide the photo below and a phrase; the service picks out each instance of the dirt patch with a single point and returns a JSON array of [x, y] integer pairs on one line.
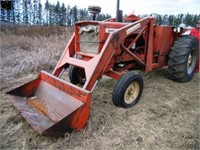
[[167, 116]]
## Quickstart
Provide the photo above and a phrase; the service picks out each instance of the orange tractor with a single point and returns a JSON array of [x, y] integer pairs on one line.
[[117, 48]]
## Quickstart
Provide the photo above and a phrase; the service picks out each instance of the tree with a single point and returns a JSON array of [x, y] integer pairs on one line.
[[8, 14], [32, 12], [17, 13], [83, 14], [171, 20], [74, 13], [35, 11], [188, 19], [51, 14], [179, 19], [57, 13], [40, 13], [47, 8], [102, 17], [68, 15], [165, 20], [25, 11], [195, 20], [3, 15], [63, 19]]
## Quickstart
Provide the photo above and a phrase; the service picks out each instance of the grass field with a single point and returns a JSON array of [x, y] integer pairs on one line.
[[167, 116]]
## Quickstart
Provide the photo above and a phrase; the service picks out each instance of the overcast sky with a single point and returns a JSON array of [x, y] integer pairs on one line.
[[139, 6]]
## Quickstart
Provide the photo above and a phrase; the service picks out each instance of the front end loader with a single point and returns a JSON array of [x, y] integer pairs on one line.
[[53, 106]]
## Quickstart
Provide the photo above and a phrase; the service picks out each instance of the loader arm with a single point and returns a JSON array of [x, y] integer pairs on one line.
[[96, 66], [93, 69]]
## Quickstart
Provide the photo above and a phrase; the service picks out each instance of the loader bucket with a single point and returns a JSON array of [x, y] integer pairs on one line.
[[52, 106]]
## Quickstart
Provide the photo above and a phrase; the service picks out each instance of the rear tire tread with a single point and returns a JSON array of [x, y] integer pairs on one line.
[[178, 58]]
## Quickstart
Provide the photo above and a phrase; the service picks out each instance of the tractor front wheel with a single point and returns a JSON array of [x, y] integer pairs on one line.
[[183, 59], [77, 75], [128, 90]]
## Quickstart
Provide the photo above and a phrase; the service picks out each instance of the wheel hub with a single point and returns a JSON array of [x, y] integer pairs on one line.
[[191, 62], [131, 92]]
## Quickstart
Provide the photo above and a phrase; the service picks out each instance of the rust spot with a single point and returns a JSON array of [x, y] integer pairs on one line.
[[34, 102]]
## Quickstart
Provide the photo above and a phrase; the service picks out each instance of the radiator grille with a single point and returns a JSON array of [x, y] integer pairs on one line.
[[89, 39]]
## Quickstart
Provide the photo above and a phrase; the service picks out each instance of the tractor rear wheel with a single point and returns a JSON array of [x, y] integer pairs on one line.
[[77, 75], [128, 90], [183, 59]]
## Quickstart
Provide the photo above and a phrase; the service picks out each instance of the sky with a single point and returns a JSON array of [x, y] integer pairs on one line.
[[139, 6]]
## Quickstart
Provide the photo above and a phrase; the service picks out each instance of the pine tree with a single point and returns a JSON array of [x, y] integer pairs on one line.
[[3, 15], [63, 13], [74, 12], [68, 15], [40, 13], [188, 19], [17, 11], [83, 14], [12, 13], [171, 20], [102, 17], [47, 9], [8, 12], [57, 13], [107, 16], [52, 14], [32, 12], [35, 11], [165, 20], [195, 20], [179, 19], [25, 11]]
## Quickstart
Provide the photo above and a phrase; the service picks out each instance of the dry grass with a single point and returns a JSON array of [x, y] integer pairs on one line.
[[167, 117], [25, 53]]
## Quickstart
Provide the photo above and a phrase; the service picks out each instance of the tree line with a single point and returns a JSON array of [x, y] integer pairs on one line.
[[176, 20], [34, 13]]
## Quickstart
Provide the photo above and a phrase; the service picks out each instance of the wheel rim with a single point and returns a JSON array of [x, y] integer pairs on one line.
[[191, 62], [131, 93]]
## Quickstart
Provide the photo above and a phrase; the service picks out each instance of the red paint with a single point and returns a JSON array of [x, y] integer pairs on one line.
[[195, 33]]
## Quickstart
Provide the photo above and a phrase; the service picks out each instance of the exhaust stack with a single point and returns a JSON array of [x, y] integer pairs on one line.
[[119, 13]]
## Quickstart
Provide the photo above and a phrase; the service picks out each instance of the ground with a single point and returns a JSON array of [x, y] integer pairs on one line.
[[167, 116]]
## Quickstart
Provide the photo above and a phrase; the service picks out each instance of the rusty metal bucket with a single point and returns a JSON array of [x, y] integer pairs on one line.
[[52, 106]]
